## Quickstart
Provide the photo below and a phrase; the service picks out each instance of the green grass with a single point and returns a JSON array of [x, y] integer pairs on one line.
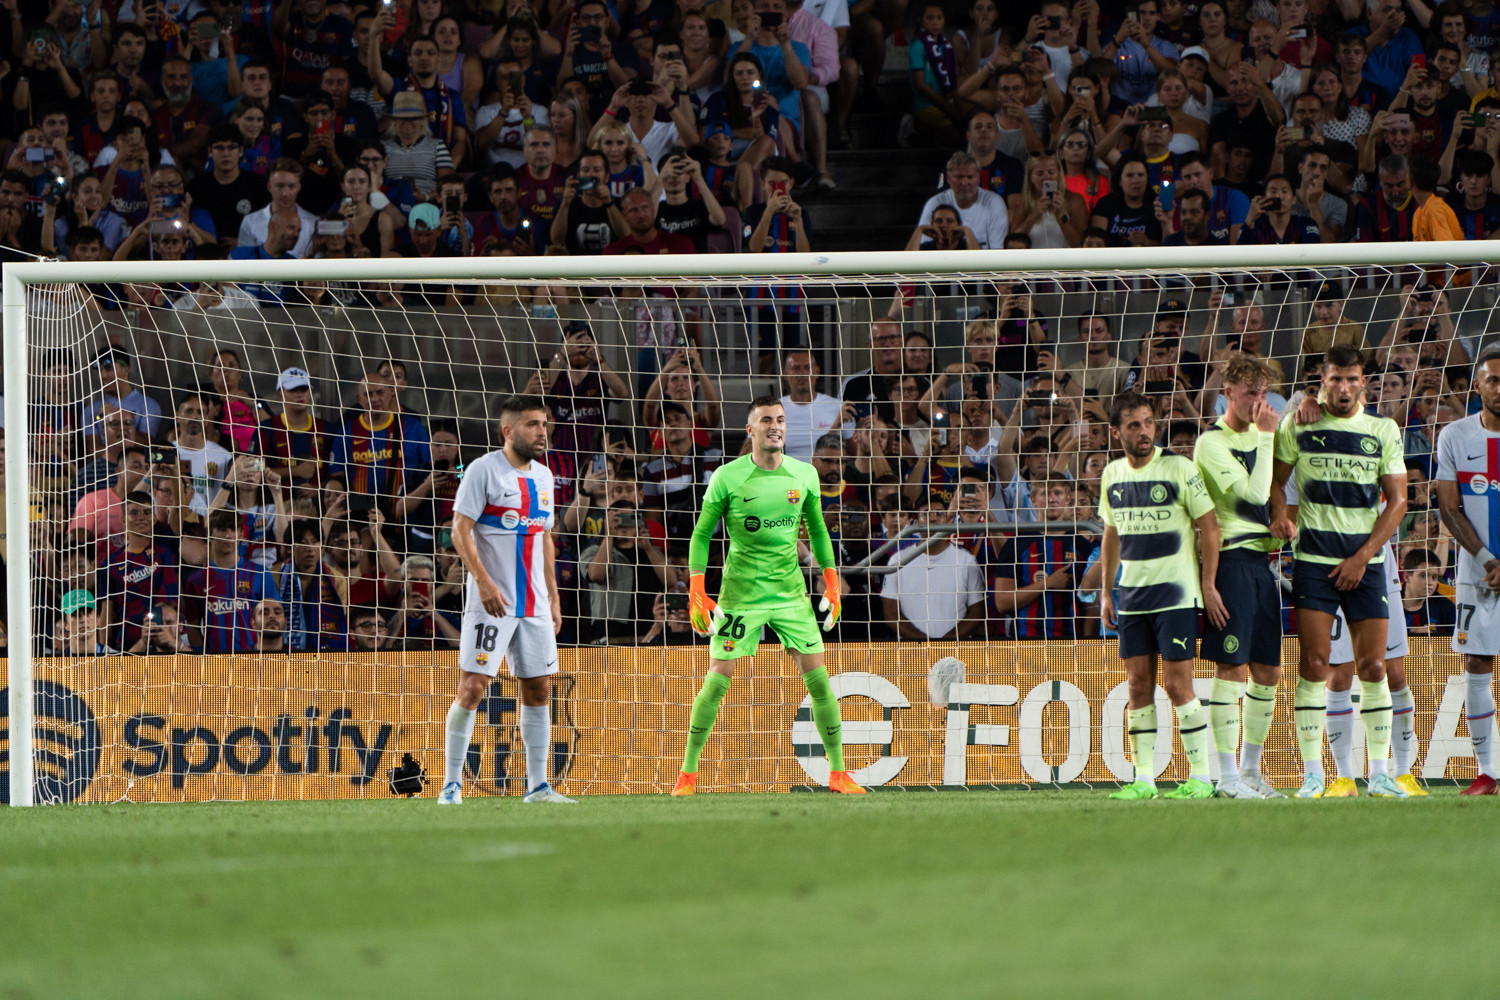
[[978, 894]]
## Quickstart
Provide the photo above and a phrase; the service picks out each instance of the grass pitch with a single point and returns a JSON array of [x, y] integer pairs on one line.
[[955, 894]]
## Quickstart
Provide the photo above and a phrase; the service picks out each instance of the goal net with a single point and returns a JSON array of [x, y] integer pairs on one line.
[[230, 572]]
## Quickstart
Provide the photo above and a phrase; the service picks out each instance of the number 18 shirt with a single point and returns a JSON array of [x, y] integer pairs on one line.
[[511, 509]]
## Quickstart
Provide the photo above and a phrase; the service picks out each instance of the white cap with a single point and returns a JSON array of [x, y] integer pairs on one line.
[[1193, 50], [293, 378]]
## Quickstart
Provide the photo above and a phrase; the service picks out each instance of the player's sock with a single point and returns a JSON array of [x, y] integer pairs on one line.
[[460, 728], [1260, 705], [1375, 713], [1403, 730], [1192, 726], [1142, 725], [1479, 712], [536, 737], [825, 711], [1308, 707], [1224, 717], [705, 711], [1341, 732]]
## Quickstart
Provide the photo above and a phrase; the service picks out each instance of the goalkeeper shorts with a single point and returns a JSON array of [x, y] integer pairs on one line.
[[739, 633]]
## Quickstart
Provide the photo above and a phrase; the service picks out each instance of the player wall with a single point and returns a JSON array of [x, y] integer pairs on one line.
[[305, 727]]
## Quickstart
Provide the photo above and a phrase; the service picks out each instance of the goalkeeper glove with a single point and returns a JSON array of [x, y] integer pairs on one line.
[[702, 611], [832, 601]]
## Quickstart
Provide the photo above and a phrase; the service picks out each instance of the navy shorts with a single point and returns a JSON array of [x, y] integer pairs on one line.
[[1173, 634], [1250, 595], [1312, 590]]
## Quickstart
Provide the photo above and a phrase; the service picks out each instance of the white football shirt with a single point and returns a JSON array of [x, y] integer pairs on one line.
[[1470, 456], [512, 510]]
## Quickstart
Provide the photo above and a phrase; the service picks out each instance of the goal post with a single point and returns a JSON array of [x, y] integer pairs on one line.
[[164, 727]]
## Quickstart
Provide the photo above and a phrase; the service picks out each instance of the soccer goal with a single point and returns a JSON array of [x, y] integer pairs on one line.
[[230, 572]]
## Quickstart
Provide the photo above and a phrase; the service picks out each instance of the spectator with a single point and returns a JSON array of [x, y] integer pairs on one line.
[[983, 212], [588, 220], [675, 481], [284, 182], [786, 64], [641, 99], [322, 155], [541, 182], [378, 448], [809, 413], [283, 234], [1100, 373], [79, 632], [227, 193], [1474, 203], [429, 501], [578, 384], [254, 495], [116, 388], [1037, 573], [312, 594], [282, 119], [590, 55], [101, 513], [867, 390], [353, 121], [505, 230], [1388, 216], [624, 573], [937, 593], [219, 598], [1271, 220], [98, 129], [679, 213], [1192, 209], [207, 461], [1327, 325], [500, 126], [1256, 114], [1080, 164], [1428, 610], [412, 153], [268, 619], [682, 379], [750, 115], [418, 624], [1390, 44], [391, 197], [161, 634], [639, 211], [182, 122], [97, 469], [1127, 215], [311, 40], [1315, 201], [138, 575], [669, 622], [1140, 54], [933, 62], [1226, 205], [88, 210], [367, 631], [1051, 214]]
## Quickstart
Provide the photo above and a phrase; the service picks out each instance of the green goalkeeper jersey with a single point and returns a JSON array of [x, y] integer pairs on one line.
[[761, 510]]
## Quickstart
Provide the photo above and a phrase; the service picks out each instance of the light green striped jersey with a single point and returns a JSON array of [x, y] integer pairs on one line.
[[1153, 509], [1337, 464], [1236, 470]]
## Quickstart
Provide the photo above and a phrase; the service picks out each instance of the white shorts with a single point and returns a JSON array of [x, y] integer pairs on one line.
[[1478, 629], [527, 645], [1341, 646], [821, 93]]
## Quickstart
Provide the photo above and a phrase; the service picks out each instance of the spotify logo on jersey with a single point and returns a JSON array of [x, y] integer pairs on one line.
[[753, 524]]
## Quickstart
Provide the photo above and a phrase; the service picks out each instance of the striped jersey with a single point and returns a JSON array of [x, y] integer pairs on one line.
[[1027, 558], [221, 602], [1153, 510], [1236, 470], [1337, 463], [512, 509], [1470, 456], [134, 582], [376, 459], [284, 446]]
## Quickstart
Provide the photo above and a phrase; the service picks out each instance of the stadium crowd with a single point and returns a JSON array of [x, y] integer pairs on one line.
[[205, 518]]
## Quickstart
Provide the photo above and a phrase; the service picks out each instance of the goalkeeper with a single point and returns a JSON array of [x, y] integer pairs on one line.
[[762, 497]]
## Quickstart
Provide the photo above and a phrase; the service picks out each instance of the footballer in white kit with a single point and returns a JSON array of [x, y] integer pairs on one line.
[[1468, 489], [502, 518]]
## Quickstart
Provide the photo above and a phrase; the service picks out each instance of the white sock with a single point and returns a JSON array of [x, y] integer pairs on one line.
[[1226, 765], [1341, 731], [1479, 711], [1377, 767], [1403, 730], [536, 736], [460, 728], [1250, 757]]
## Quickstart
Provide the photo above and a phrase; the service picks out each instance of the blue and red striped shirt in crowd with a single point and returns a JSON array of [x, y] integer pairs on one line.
[[375, 460], [284, 446], [221, 601], [1027, 558], [1378, 222], [133, 583]]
